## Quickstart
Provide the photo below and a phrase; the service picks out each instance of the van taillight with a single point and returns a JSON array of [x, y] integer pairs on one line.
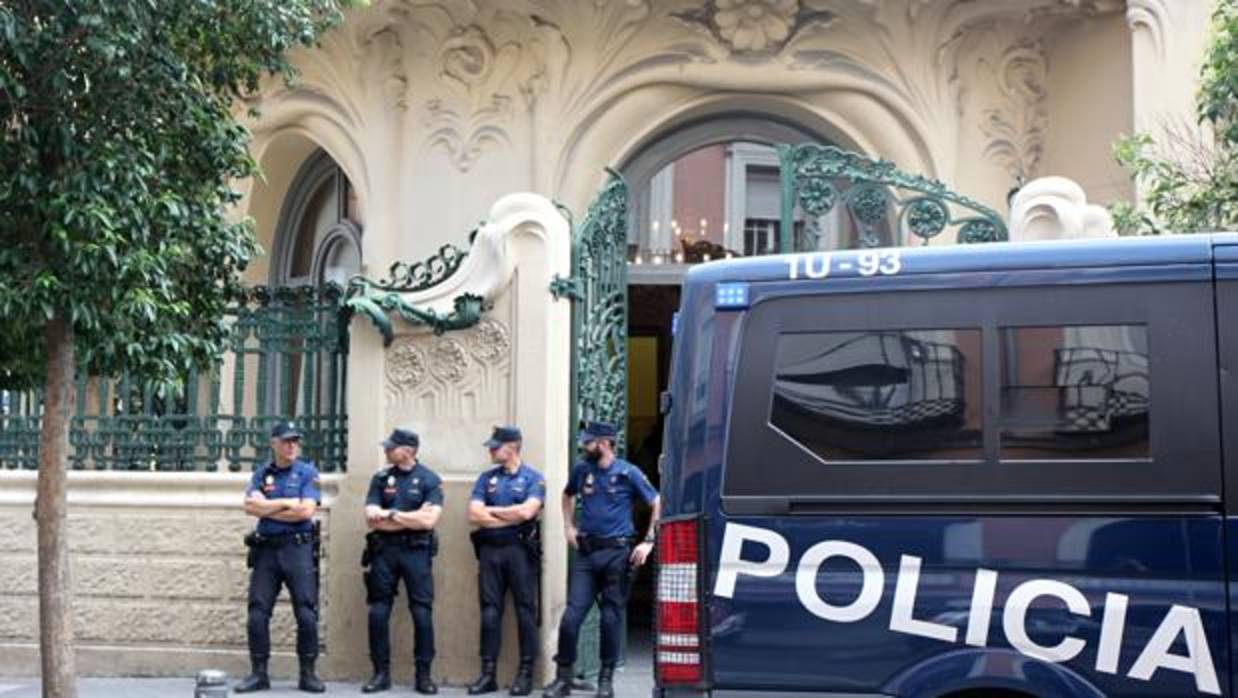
[[678, 641]]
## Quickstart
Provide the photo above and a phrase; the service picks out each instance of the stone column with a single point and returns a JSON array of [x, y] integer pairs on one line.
[[513, 367]]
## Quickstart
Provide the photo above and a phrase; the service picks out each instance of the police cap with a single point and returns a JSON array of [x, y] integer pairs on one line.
[[402, 437], [597, 430], [285, 431], [503, 435]]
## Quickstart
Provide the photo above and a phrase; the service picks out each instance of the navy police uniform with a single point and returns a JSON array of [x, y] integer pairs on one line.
[[404, 555], [283, 553], [605, 539], [508, 556]]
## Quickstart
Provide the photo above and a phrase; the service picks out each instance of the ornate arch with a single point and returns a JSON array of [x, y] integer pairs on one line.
[[317, 172]]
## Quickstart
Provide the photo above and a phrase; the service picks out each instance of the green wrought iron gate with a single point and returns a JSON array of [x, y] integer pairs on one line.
[[818, 180], [599, 291]]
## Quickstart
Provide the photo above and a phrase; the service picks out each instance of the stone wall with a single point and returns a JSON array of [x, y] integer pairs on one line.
[[158, 573]]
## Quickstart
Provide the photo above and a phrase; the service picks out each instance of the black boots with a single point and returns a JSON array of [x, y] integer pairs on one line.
[[562, 685], [424, 684], [310, 682], [381, 681], [606, 681], [522, 685], [258, 680], [486, 683]]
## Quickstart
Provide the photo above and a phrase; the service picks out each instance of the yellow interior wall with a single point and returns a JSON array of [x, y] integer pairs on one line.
[[642, 388]]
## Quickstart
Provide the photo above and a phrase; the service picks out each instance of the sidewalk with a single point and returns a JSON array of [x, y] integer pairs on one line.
[[634, 680], [628, 684]]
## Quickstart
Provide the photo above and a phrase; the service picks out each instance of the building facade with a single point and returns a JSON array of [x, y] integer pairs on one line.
[[411, 127]]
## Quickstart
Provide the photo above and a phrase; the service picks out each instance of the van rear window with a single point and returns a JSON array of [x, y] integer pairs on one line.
[[1074, 391]]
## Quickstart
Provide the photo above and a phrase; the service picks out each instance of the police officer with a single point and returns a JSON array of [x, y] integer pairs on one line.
[[504, 506], [402, 507], [607, 550], [283, 495]]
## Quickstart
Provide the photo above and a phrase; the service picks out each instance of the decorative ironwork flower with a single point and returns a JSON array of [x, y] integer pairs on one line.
[[755, 25]]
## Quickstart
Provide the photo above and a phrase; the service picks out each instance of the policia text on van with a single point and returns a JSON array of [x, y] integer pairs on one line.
[[997, 470]]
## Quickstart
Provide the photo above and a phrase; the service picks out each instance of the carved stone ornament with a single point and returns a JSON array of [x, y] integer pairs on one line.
[[1056, 208], [448, 359], [755, 27], [406, 364], [1001, 75], [1017, 123], [489, 341]]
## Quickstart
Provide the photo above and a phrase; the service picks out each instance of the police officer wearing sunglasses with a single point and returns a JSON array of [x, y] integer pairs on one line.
[[607, 550]]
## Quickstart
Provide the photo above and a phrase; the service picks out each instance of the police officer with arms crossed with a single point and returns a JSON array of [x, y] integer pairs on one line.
[[283, 495], [607, 550], [402, 507], [504, 505]]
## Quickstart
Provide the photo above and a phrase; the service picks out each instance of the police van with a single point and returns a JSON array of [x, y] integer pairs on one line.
[[1005, 470]]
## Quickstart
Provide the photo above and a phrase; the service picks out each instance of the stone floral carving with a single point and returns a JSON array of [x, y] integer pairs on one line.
[[752, 25], [489, 341], [1016, 125], [1000, 74], [467, 56], [448, 359], [755, 27], [406, 365], [485, 66]]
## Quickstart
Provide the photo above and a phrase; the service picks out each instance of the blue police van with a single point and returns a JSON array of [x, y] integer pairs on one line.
[[1005, 470]]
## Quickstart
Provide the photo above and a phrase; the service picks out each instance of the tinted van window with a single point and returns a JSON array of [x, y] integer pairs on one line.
[[1075, 392], [875, 395]]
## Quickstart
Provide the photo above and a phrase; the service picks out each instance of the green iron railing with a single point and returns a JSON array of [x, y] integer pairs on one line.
[[287, 359], [816, 179]]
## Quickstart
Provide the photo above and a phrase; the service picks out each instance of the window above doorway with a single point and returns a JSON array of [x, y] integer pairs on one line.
[[713, 190]]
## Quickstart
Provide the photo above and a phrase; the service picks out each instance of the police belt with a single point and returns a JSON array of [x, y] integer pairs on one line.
[[413, 539], [508, 535], [262, 540], [588, 544]]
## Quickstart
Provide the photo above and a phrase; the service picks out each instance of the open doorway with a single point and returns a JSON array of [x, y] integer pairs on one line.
[[651, 309]]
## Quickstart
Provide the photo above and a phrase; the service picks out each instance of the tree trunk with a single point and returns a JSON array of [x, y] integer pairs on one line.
[[55, 593]]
